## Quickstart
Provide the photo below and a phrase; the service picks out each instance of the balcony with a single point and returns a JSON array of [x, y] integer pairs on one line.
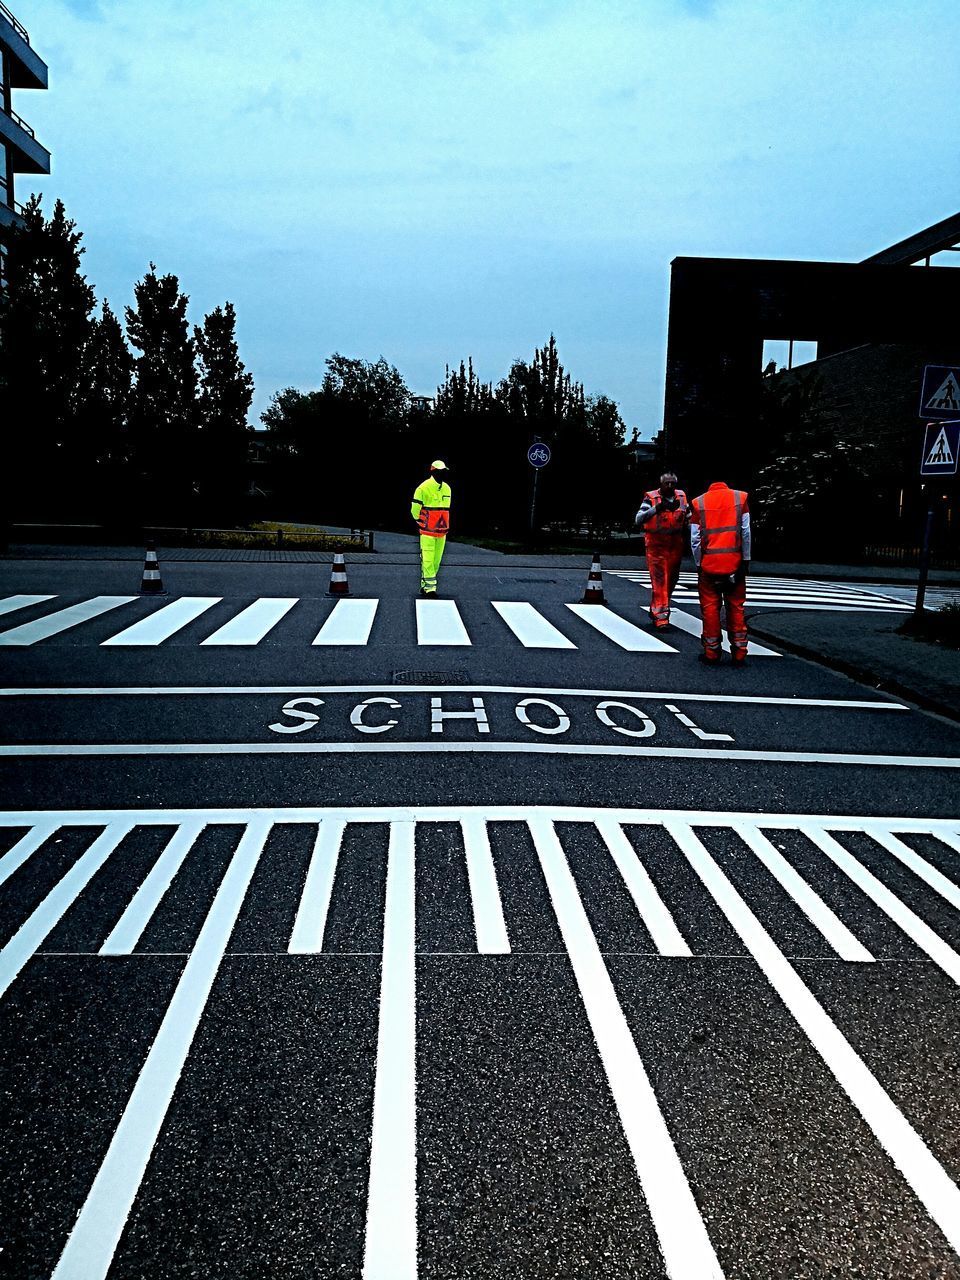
[[28, 155], [27, 71]]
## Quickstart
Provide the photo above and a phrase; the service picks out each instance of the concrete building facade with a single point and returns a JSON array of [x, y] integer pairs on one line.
[[20, 152]]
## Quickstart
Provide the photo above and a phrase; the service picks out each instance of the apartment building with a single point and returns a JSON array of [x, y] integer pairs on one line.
[[20, 152]]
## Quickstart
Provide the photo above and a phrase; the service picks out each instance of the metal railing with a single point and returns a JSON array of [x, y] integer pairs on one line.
[[907, 557], [18, 26], [27, 128]]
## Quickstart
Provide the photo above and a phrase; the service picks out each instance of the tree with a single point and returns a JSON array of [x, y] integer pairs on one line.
[[335, 452], [813, 465], [226, 390], [45, 329], [103, 416], [164, 410]]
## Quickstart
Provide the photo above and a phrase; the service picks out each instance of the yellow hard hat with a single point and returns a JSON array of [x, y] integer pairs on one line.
[[438, 465]]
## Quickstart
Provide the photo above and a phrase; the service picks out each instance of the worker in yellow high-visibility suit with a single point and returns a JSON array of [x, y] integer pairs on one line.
[[431, 510]]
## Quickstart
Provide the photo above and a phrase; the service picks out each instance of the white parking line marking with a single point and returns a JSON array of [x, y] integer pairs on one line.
[[619, 630], [530, 626], [61, 897], [311, 922], [27, 750], [126, 933], [810, 903], [160, 626], [911, 924], [349, 623], [488, 921], [53, 624], [683, 1238], [25, 848], [652, 909], [439, 622], [254, 622], [12, 603], [937, 881], [390, 1244], [175, 690], [927, 1178], [92, 1243]]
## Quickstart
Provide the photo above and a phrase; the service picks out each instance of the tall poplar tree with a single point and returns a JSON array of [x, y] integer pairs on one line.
[[164, 415], [226, 390], [45, 326], [103, 418]]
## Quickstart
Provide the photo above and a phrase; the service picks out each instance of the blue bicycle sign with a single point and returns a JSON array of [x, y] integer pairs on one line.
[[538, 455]]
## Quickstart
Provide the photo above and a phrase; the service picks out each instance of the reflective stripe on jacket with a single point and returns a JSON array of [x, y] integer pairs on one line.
[[663, 521], [718, 516], [431, 508]]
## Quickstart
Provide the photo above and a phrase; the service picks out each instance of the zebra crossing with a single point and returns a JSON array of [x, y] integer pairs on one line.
[[798, 593], [349, 623], [789, 883]]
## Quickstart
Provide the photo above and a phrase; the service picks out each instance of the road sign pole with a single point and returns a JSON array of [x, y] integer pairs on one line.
[[533, 500], [924, 564]]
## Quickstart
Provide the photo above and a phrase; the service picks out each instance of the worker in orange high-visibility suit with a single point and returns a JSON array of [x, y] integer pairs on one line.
[[662, 516], [431, 510], [721, 546]]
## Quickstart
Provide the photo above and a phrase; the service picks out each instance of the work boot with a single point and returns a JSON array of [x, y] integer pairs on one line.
[[708, 662]]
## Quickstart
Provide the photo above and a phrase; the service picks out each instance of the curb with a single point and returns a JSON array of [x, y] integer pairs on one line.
[[861, 674]]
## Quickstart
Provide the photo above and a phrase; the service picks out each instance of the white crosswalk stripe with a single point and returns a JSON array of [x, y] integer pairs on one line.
[[530, 626], [693, 627], [53, 624], [165, 623], [439, 622], [391, 1221], [254, 622], [790, 593], [619, 630], [350, 622], [12, 603]]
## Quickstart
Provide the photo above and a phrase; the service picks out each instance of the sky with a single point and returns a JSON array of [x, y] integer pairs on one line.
[[433, 179]]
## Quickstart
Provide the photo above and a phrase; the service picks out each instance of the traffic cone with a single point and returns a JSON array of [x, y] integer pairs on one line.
[[150, 583], [338, 576], [594, 591]]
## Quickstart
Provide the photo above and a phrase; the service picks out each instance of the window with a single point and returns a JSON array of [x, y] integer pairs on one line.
[[787, 353]]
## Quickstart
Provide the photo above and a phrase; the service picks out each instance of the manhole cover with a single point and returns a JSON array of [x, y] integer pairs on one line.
[[458, 676]]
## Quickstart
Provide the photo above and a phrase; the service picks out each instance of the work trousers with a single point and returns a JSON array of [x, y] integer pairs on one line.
[[431, 553], [714, 590], [664, 553]]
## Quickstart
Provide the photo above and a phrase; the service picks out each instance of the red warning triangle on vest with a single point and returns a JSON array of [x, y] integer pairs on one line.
[[442, 522]]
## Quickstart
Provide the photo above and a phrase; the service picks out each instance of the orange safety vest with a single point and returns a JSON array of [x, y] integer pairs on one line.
[[666, 521], [434, 521], [718, 513]]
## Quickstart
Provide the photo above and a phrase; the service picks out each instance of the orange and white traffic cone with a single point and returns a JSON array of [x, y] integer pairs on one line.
[[338, 576], [594, 591], [150, 583]]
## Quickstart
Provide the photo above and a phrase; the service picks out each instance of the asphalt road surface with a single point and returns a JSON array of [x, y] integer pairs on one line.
[[485, 937]]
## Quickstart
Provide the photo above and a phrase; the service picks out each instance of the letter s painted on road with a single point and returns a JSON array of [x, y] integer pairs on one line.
[[293, 709]]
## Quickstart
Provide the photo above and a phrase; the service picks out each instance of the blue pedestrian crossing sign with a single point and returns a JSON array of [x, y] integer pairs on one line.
[[940, 396], [941, 445]]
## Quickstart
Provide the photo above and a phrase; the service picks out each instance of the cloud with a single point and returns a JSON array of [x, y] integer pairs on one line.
[[89, 10], [700, 8]]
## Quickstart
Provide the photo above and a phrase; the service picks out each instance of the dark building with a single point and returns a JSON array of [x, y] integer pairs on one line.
[[20, 152], [875, 324]]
